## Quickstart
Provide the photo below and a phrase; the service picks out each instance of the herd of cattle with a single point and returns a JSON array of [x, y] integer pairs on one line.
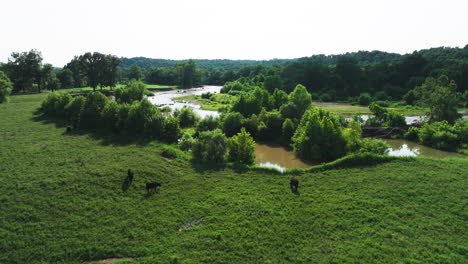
[[152, 186]]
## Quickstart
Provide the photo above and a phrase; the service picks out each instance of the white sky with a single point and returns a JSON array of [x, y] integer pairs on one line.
[[238, 29]]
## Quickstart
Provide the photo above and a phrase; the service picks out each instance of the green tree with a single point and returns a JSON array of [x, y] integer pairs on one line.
[[5, 87], [187, 117], [300, 98], [189, 74], [135, 72], [232, 123], [287, 130], [65, 77], [23, 69], [133, 91], [92, 64], [242, 148], [210, 146], [279, 98], [441, 98]]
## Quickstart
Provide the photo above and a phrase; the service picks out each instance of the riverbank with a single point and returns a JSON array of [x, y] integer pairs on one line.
[[61, 191]]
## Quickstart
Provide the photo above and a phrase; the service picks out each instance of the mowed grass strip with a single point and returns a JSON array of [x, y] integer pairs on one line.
[[63, 199]]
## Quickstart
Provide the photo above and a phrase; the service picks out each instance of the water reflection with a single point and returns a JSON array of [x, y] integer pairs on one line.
[[278, 157], [400, 147]]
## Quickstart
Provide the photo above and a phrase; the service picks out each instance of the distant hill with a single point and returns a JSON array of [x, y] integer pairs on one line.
[[434, 55]]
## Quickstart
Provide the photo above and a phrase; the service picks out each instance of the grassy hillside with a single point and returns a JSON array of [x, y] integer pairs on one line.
[[63, 198]]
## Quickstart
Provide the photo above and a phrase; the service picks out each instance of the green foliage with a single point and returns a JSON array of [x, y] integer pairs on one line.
[[140, 115], [272, 122], [5, 87], [365, 99], [441, 98], [352, 134], [242, 148], [210, 146], [252, 102], [301, 98], [135, 73], [232, 123], [110, 116], [187, 117], [189, 74], [279, 98], [374, 145], [442, 135], [55, 103], [383, 117], [287, 130], [74, 108], [319, 136], [186, 141], [133, 91], [410, 97], [412, 134], [172, 129], [91, 112], [273, 82], [207, 123]]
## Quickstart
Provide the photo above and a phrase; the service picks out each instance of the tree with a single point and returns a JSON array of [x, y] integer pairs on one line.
[[133, 91], [319, 136], [23, 69], [279, 98], [273, 82], [210, 146], [189, 75], [92, 64], [242, 148], [65, 77], [109, 71], [135, 72], [5, 87], [300, 98], [232, 123], [441, 98]]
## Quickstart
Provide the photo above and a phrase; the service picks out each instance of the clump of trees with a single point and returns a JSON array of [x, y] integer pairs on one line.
[[210, 146], [133, 91], [441, 135], [140, 118], [242, 148], [5, 87], [384, 118]]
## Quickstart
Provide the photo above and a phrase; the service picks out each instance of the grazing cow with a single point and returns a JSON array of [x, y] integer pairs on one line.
[[130, 174], [294, 184], [69, 129], [152, 185]]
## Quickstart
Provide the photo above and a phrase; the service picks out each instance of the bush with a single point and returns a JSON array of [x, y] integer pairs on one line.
[[55, 103], [287, 130], [365, 99], [207, 123], [5, 87], [394, 119], [375, 146], [412, 134], [442, 135], [110, 116], [91, 112], [187, 117], [133, 91], [319, 136], [140, 116], [232, 123], [273, 122], [74, 108], [186, 142], [210, 146], [172, 129], [242, 148]]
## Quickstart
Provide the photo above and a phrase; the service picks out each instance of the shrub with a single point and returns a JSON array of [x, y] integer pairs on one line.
[[365, 99], [186, 142], [319, 136], [133, 91], [110, 115], [394, 119], [210, 146], [139, 116], [375, 146], [207, 123], [55, 103], [187, 117], [172, 129], [74, 108], [5, 87], [287, 130], [412, 134], [273, 122], [91, 112], [232, 123], [154, 127], [242, 148], [442, 135]]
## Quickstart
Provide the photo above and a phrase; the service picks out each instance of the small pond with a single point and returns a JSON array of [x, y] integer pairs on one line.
[[165, 99], [279, 157], [400, 147]]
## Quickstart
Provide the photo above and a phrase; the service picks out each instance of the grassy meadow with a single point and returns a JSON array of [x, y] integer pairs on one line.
[[64, 199]]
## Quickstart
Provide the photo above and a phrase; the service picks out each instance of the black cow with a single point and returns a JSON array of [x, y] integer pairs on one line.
[[152, 185], [294, 183], [130, 175]]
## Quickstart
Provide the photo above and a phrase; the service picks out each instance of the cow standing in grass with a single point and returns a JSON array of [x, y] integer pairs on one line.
[[152, 185], [294, 183]]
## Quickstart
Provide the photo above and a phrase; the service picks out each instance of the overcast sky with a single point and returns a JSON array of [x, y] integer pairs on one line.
[[239, 29]]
